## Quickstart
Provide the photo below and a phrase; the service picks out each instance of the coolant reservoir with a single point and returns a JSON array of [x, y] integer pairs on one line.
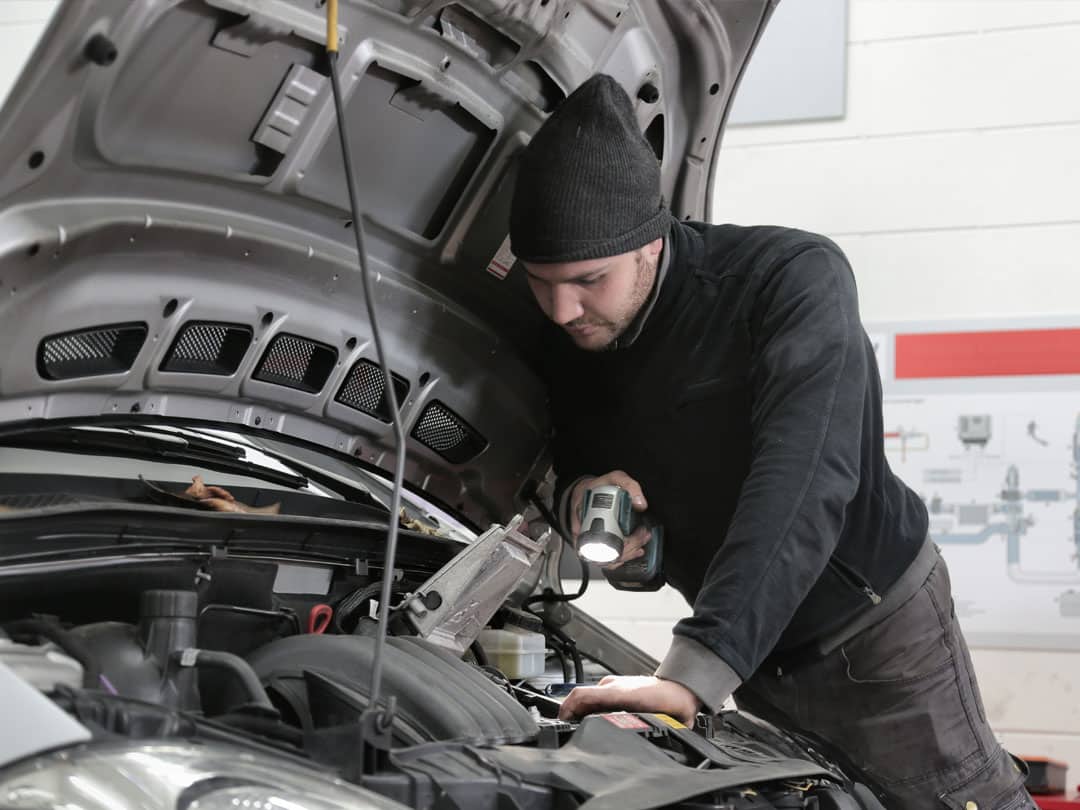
[[516, 652]]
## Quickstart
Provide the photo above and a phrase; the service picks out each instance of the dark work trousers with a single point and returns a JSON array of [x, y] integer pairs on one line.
[[899, 700]]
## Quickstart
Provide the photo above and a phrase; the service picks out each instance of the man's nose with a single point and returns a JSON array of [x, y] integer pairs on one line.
[[565, 306]]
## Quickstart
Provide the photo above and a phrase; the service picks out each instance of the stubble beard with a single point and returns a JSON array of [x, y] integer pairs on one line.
[[607, 332]]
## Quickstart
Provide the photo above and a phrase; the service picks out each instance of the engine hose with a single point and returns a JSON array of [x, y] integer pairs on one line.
[[579, 665], [479, 654], [352, 602], [560, 653], [215, 659], [548, 595], [67, 642], [555, 634]]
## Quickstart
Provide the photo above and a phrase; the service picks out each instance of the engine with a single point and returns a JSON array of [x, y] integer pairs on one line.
[[231, 662], [171, 674]]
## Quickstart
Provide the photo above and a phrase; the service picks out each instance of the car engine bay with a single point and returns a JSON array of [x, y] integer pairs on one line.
[[198, 651]]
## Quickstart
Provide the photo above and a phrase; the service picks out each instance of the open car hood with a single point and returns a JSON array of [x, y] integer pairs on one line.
[[174, 225]]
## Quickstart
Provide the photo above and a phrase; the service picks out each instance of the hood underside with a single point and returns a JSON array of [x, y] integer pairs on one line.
[[175, 234]]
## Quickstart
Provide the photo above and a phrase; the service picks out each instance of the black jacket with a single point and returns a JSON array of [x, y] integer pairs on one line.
[[749, 409]]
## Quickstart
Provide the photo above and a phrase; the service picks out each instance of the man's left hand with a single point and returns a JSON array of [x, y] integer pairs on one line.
[[634, 693]]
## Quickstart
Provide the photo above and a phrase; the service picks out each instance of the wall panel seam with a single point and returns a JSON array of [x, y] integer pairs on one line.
[[906, 135], [973, 32]]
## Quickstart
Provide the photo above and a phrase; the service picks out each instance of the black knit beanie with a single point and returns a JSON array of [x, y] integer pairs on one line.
[[588, 183]]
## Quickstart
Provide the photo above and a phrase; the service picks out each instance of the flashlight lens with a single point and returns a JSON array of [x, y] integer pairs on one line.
[[598, 552]]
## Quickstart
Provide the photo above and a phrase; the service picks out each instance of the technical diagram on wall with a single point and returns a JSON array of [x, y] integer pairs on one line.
[[983, 422]]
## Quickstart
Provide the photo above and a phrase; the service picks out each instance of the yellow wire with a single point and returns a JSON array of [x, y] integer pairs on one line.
[[331, 26]]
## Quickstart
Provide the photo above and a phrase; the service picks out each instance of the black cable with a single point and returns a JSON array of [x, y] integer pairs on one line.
[[498, 677], [556, 636], [600, 661], [479, 654], [579, 665], [571, 647], [549, 595], [388, 384], [351, 602], [557, 648]]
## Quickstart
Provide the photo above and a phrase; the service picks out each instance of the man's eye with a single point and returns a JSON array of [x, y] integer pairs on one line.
[[588, 282]]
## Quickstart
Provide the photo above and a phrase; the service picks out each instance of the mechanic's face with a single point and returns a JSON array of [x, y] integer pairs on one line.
[[595, 300]]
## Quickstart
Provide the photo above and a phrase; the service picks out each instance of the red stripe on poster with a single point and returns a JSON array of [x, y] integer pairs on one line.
[[937, 355]]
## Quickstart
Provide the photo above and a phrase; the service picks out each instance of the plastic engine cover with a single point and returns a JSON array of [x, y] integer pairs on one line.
[[42, 666], [439, 697]]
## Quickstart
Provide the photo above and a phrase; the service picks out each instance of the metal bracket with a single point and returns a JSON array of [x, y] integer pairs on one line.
[[452, 607]]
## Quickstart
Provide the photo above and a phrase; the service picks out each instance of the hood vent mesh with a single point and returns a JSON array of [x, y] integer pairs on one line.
[[208, 348], [448, 434], [297, 362], [365, 390], [108, 349]]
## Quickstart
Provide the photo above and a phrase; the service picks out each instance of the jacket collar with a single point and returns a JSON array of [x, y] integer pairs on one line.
[[680, 257], [632, 332]]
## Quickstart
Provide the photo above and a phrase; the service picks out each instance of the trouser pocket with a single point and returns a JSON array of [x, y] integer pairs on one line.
[[999, 785], [907, 692]]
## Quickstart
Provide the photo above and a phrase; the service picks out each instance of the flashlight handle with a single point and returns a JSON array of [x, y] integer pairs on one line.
[[645, 573], [613, 505]]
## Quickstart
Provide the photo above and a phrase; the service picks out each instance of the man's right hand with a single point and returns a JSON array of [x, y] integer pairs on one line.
[[633, 547]]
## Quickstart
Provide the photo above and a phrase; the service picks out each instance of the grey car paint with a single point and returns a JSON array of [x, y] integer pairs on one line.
[[196, 177]]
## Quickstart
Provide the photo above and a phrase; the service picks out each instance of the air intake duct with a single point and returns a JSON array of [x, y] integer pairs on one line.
[[443, 431], [109, 349]]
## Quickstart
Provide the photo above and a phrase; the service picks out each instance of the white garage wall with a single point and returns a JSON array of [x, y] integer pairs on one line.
[[954, 185], [21, 23], [952, 180]]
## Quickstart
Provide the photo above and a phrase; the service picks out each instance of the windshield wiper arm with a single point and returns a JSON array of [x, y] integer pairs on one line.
[[156, 446], [352, 491]]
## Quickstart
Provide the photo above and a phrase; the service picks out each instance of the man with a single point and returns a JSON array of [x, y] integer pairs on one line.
[[722, 376]]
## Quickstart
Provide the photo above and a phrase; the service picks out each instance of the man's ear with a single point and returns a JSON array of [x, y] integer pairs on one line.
[[652, 250]]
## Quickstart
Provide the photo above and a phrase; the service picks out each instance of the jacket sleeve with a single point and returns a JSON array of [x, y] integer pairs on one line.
[[808, 375]]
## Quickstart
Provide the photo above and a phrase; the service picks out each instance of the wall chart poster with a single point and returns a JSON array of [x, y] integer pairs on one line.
[[982, 419]]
